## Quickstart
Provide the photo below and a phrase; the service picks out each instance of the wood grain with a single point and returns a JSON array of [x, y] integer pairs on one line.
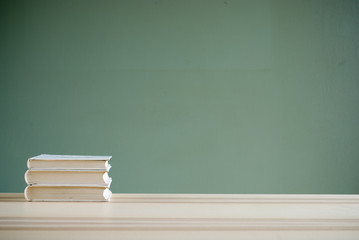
[[158, 214]]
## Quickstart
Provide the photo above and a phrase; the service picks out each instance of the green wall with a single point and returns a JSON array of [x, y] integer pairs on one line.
[[188, 96]]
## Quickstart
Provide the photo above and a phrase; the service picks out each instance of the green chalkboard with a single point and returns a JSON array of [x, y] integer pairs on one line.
[[191, 96]]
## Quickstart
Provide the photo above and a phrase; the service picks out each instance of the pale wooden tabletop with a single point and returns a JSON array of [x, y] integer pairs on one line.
[[183, 216]]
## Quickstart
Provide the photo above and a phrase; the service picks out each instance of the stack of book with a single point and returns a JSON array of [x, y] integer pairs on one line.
[[68, 178]]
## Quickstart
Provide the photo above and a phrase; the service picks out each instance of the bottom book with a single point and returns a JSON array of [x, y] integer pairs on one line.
[[67, 193]]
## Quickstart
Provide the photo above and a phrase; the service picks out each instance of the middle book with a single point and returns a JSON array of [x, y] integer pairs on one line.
[[68, 177]]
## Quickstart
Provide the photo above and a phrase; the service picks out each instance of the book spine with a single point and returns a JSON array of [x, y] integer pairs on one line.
[[25, 176], [26, 195], [28, 163], [107, 194]]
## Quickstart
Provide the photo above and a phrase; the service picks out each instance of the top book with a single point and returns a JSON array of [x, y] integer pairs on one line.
[[64, 162]]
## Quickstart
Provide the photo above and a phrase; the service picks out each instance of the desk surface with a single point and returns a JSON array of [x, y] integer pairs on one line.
[[179, 216]]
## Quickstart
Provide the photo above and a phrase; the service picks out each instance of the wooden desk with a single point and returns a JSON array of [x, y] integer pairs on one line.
[[183, 216]]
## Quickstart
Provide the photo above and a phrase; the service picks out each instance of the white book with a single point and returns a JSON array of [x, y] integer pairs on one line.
[[108, 185], [49, 161], [68, 178], [67, 193]]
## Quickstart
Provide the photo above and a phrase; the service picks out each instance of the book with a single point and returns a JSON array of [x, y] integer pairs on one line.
[[57, 162], [67, 193], [67, 177]]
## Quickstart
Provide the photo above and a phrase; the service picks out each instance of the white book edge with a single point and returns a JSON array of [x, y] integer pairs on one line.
[[107, 179], [50, 157], [25, 194], [25, 176], [85, 169], [107, 194], [66, 200], [105, 185], [70, 157]]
